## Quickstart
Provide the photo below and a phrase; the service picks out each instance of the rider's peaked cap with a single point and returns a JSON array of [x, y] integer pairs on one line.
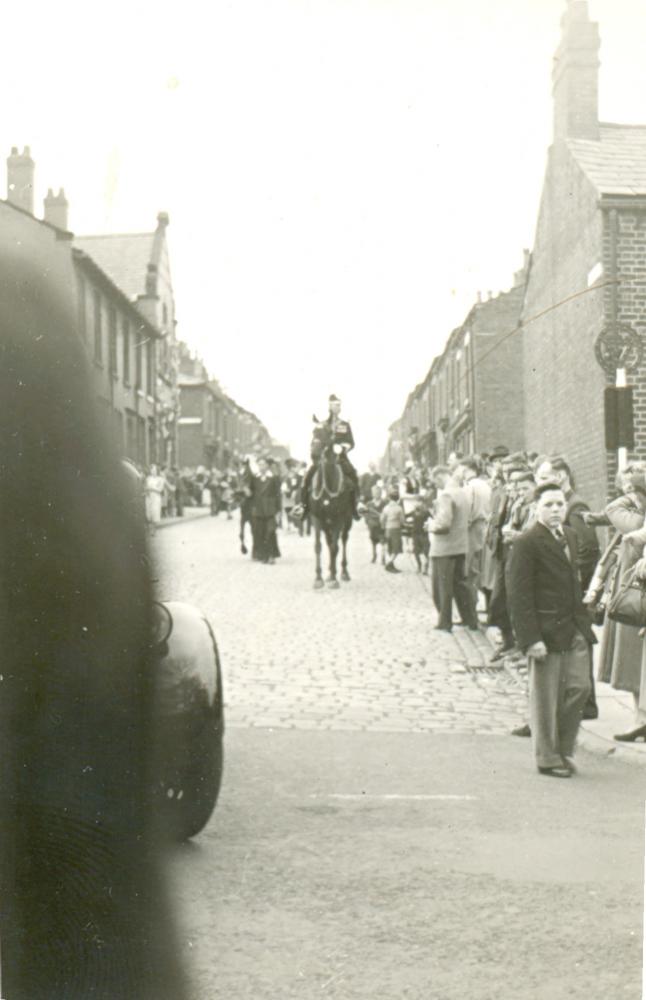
[[334, 399]]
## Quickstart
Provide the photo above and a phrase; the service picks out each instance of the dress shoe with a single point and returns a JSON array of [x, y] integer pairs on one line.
[[569, 763], [561, 771], [590, 711], [442, 628], [522, 731], [633, 736]]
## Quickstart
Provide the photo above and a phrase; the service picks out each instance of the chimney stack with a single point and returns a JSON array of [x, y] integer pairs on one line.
[[575, 77], [20, 179], [55, 209]]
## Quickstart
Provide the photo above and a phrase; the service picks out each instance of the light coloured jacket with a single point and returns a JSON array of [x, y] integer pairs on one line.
[[449, 528]]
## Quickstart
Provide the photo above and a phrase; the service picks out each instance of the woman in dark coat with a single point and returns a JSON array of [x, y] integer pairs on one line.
[[83, 910]]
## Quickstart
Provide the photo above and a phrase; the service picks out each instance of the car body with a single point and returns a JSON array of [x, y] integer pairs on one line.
[[189, 709]]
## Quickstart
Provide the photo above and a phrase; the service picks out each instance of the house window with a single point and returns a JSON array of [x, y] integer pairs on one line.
[[112, 339], [98, 329], [126, 351], [139, 360]]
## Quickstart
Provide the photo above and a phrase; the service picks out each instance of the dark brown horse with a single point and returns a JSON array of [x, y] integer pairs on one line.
[[331, 506]]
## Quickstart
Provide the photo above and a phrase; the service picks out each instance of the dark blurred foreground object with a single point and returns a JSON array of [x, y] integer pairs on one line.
[[190, 720], [82, 907]]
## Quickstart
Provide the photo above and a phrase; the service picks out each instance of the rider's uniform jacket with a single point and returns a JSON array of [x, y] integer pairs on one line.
[[342, 432]]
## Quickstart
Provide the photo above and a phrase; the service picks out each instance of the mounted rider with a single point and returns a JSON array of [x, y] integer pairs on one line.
[[342, 440]]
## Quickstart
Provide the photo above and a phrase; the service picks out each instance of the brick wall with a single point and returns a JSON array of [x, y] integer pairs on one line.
[[563, 383], [498, 372]]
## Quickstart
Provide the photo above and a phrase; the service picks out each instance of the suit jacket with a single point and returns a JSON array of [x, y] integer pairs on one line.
[[544, 592], [450, 525], [500, 506], [265, 496]]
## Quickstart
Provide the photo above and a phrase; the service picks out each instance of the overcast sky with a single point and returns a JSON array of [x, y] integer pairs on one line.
[[342, 176]]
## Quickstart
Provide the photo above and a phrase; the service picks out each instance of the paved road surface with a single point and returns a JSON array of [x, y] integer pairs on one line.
[[379, 835]]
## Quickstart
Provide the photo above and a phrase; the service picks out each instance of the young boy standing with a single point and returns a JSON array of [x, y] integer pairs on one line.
[[392, 521]]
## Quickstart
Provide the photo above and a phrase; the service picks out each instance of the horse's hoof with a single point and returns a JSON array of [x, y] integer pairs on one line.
[[244, 549], [333, 584], [346, 577], [318, 584]]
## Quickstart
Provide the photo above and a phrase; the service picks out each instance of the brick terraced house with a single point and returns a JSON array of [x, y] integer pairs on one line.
[[542, 388], [472, 396], [591, 233]]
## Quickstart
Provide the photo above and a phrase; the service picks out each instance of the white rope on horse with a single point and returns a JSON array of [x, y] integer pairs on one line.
[[324, 487]]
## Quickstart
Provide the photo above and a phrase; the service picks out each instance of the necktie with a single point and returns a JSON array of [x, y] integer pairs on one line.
[[559, 535]]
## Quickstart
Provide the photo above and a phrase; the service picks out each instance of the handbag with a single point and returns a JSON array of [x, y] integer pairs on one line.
[[628, 606]]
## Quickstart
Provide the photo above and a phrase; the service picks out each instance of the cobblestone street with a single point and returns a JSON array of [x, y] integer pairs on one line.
[[365, 657], [354, 856]]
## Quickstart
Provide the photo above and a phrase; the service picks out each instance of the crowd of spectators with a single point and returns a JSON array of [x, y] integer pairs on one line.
[[464, 519]]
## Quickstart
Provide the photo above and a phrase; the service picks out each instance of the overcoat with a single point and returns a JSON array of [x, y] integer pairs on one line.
[[620, 655], [265, 492]]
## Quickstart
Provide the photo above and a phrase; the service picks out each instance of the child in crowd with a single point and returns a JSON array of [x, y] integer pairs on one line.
[[392, 521], [372, 515], [421, 542]]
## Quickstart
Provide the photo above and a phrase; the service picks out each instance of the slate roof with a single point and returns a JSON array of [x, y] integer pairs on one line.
[[617, 163], [123, 257]]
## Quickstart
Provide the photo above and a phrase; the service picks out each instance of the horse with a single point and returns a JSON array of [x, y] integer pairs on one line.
[[331, 506]]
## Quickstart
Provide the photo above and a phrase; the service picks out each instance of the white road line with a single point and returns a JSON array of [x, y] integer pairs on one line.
[[399, 798]]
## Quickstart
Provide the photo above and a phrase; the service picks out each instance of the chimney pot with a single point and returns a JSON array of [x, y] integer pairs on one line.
[[20, 179], [55, 209]]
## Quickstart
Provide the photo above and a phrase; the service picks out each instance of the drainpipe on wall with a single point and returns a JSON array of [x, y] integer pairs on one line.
[[620, 374]]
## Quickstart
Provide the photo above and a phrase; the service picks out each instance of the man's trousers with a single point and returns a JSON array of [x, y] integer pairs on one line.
[[449, 582], [559, 687]]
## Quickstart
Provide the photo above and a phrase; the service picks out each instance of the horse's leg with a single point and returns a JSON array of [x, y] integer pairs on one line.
[[318, 582], [344, 554], [332, 538], [243, 521]]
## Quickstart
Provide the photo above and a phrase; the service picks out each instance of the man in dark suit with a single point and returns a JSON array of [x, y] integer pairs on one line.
[[553, 628], [557, 470], [265, 505]]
